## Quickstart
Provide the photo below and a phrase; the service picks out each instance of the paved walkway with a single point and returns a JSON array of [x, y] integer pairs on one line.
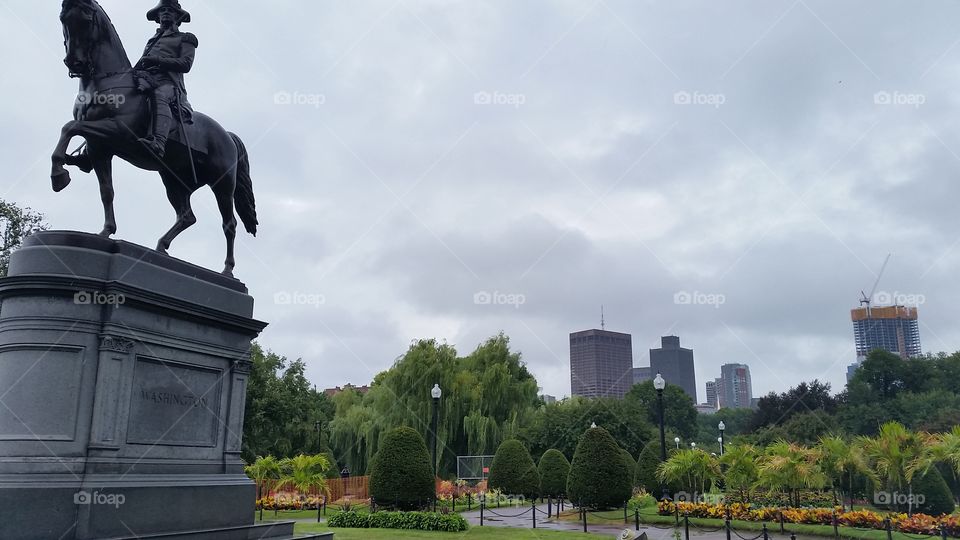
[[520, 518]]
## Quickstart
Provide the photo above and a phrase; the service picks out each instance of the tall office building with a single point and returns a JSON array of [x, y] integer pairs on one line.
[[713, 399], [737, 386], [895, 329], [675, 364], [601, 363], [641, 374]]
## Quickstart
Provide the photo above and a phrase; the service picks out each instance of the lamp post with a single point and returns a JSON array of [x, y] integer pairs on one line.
[[435, 394], [677, 440], [693, 445], [659, 384], [722, 427]]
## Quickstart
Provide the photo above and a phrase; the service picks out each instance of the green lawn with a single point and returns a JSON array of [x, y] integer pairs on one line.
[[475, 533]]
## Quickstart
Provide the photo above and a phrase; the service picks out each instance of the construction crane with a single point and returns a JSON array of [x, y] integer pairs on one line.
[[868, 300]]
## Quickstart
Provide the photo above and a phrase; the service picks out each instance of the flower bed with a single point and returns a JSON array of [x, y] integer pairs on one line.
[[864, 519]]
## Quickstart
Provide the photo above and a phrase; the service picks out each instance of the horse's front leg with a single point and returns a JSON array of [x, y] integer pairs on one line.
[[103, 166], [59, 175]]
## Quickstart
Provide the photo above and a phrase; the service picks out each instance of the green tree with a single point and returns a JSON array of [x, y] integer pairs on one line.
[[554, 470], [933, 494], [513, 471], [788, 468], [694, 470], [283, 409], [647, 463], [261, 471], [680, 415], [894, 455], [840, 462], [598, 475], [740, 471], [305, 474], [401, 475], [15, 225]]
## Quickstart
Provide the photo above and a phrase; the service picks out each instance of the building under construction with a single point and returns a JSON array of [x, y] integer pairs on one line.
[[895, 329]]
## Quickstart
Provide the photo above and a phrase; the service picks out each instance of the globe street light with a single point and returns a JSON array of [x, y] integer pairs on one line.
[[722, 427], [659, 384], [435, 394], [693, 445], [677, 440]]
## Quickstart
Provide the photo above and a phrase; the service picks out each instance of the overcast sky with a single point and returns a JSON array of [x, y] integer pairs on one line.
[[732, 172]]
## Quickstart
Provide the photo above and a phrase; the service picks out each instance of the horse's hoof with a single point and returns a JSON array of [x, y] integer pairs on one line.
[[107, 232], [228, 271], [162, 250], [60, 181]]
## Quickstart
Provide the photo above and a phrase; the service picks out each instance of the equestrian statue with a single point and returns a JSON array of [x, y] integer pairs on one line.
[[141, 114]]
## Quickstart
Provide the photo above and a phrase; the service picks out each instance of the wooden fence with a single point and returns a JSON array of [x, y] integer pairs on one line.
[[356, 488]]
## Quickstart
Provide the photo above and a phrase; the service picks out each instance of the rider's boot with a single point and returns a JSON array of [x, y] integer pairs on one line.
[[162, 124]]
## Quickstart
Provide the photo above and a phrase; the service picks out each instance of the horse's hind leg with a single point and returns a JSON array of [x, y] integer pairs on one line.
[[179, 197], [224, 191], [103, 165]]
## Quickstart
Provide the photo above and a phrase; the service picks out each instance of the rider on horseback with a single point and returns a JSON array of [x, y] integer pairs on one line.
[[168, 55]]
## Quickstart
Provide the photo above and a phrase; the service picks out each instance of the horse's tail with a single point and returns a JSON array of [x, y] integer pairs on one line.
[[243, 196]]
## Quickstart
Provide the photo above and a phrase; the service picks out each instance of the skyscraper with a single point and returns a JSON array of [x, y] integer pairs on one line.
[[895, 329], [737, 386], [641, 374], [601, 363], [675, 364], [713, 399]]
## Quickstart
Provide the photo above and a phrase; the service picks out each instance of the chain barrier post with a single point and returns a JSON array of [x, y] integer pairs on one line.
[[766, 533], [782, 531], [583, 512], [793, 536], [534, 507], [836, 526], [726, 524], [686, 526], [943, 531], [483, 500], [625, 518], [636, 518], [889, 529]]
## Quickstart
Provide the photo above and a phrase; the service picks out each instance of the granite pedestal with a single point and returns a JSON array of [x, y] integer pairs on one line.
[[123, 378]]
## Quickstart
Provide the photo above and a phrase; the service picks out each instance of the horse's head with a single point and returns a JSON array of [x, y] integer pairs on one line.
[[85, 27]]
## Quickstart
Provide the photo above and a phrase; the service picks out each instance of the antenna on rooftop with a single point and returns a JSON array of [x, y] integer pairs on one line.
[[603, 320]]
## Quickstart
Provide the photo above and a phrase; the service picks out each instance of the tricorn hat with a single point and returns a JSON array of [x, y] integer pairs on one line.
[[154, 14]]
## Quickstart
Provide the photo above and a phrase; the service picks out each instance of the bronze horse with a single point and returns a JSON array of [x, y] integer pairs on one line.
[[111, 114]]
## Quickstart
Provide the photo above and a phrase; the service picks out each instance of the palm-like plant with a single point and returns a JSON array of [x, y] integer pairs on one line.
[[895, 455], [306, 473], [260, 471], [945, 448], [838, 460], [788, 468], [740, 468], [695, 470]]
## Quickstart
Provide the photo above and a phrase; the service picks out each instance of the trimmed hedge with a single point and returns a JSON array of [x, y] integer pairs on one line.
[[647, 463], [400, 474], [599, 477], [415, 521], [513, 471], [554, 471], [937, 499]]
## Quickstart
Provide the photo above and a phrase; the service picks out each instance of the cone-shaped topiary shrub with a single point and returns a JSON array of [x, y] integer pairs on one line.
[[599, 477], [513, 471], [933, 490], [400, 474], [554, 470], [646, 477]]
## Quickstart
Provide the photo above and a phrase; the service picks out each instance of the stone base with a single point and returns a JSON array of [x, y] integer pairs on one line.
[[122, 390]]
